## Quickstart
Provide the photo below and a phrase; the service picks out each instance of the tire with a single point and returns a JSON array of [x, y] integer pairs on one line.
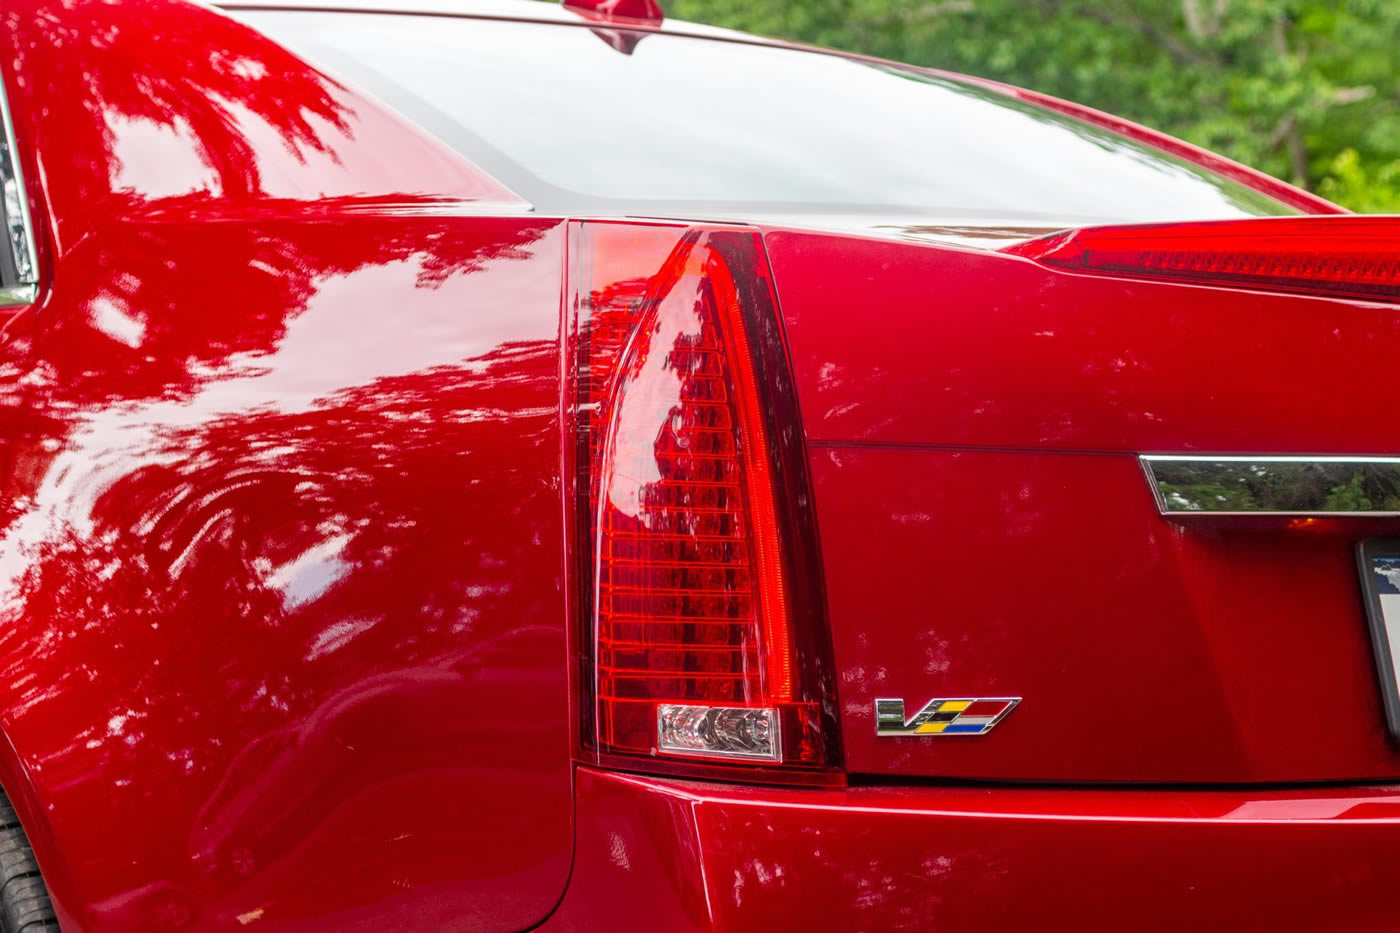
[[24, 901]]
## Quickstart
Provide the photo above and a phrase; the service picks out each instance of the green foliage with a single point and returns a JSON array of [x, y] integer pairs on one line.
[[1350, 497], [1369, 188], [1285, 488], [1309, 91]]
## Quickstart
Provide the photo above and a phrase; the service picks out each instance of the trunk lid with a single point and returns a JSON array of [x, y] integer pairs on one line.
[[974, 422]]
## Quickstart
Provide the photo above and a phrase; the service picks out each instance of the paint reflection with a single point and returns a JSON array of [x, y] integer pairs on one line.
[[272, 567], [144, 103]]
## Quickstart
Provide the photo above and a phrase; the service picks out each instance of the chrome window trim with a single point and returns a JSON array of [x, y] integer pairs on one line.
[[1332, 471], [16, 295], [19, 229]]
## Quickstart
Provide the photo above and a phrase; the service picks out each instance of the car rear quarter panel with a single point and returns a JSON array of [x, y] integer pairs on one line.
[[275, 567], [282, 601]]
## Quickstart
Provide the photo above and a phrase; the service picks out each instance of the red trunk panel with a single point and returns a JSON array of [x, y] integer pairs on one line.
[[895, 343], [987, 531]]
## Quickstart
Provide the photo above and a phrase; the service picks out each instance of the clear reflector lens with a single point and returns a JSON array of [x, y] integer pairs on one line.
[[718, 730]]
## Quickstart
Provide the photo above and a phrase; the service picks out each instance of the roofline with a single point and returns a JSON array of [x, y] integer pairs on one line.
[[561, 16]]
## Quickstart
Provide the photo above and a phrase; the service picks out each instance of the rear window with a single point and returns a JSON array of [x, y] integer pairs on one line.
[[574, 125]]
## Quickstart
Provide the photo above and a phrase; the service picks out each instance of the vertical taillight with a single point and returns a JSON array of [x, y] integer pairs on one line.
[[703, 632]]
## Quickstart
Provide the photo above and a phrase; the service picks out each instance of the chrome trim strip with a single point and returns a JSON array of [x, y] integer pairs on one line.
[[1377, 559], [1203, 485], [17, 295], [18, 228]]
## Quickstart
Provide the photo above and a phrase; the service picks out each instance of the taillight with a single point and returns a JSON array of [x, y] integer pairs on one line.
[[704, 633], [1343, 256]]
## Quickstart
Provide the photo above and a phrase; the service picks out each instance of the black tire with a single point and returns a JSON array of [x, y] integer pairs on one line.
[[24, 901]]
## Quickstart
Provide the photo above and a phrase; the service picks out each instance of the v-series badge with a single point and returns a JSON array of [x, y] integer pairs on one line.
[[966, 716]]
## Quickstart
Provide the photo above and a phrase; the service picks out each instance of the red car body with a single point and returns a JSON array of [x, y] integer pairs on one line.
[[290, 634]]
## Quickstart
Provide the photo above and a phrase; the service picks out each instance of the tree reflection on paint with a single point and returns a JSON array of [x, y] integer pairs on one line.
[[272, 610]]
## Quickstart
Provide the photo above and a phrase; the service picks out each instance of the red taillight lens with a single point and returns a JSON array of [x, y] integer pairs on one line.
[[704, 634], [1343, 256]]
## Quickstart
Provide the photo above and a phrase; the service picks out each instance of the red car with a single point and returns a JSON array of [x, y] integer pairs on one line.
[[490, 466]]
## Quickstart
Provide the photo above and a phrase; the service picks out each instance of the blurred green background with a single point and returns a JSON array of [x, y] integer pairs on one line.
[[1309, 92]]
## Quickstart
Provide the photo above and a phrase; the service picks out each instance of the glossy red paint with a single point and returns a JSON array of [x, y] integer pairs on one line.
[[285, 601], [655, 854], [1145, 650], [272, 573], [283, 528], [987, 530], [899, 343]]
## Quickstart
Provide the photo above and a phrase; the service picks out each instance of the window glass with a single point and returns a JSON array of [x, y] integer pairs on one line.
[[571, 123]]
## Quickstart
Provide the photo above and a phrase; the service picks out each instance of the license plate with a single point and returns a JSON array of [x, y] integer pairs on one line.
[[1379, 562]]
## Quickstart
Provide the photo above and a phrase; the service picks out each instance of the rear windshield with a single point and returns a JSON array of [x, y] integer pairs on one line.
[[573, 124]]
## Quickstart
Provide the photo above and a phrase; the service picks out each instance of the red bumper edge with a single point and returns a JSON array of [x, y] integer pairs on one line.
[[661, 855]]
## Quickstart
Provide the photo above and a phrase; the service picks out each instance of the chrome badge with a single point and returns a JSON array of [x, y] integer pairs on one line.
[[968, 716]]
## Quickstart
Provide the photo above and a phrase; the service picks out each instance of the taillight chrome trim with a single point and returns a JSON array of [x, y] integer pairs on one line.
[[19, 228], [1268, 485]]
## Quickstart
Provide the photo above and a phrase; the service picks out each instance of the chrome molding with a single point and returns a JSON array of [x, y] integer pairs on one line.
[[1359, 487], [12, 296], [19, 231]]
